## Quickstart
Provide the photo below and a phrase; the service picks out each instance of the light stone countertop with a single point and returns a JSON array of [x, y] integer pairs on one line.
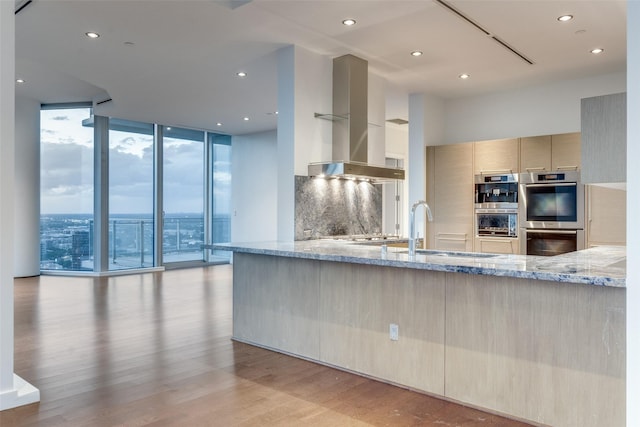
[[603, 266]]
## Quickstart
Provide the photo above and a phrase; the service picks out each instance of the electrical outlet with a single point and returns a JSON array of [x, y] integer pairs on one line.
[[393, 332]]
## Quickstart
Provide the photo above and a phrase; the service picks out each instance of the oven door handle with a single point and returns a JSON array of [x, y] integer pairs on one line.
[[555, 184], [536, 230]]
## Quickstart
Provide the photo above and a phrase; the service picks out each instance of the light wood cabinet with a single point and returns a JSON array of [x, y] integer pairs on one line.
[[604, 139], [550, 152], [565, 151], [496, 156], [497, 245], [535, 153], [450, 196], [606, 216]]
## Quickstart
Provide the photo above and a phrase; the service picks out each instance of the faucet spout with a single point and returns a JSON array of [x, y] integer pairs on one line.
[[412, 225]]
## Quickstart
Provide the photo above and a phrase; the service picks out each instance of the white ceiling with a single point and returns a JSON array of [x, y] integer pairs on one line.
[[181, 67]]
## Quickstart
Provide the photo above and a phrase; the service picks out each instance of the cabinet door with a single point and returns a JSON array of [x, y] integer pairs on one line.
[[535, 154], [497, 156], [606, 216], [453, 197], [565, 151], [497, 245]]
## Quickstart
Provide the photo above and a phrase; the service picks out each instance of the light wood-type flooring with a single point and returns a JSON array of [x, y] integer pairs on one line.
[[155, 350]]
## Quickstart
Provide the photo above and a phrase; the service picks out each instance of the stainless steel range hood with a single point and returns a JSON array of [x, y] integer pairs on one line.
[[350, 126]]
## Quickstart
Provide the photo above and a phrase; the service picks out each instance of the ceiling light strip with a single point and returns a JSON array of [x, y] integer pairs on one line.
[[461, 15], [484, 30], [25, 4], [515, 52]]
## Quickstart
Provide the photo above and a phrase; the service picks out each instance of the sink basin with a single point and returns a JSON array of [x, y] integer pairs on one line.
[[434, 252]]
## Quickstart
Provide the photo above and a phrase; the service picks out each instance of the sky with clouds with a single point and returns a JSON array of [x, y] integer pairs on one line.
[[67, 170]]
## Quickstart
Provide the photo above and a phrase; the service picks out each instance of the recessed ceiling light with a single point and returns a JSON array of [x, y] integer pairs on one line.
[[349, 22], [464, 76], [246, 119], [92, 35], [168, 127], [19, 80], [241, 74], [416, 53], [218, 124], [597, 50], [565, 18]]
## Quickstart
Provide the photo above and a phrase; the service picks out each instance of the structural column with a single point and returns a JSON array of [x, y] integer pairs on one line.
[[27, 188], [14, 391], [304, 88], [633, 204], [426, 127]]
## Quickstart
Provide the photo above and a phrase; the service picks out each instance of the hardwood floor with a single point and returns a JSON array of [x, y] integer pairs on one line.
[[155, 350]]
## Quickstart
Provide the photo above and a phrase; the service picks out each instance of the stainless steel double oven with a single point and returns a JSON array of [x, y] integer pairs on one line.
[[496, 205], [551, 213]]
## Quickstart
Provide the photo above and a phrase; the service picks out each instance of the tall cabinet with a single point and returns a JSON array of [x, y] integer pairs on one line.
[[450, 194]]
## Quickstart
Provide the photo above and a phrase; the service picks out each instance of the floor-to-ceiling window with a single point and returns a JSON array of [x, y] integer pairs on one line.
[[164, 196], [183, 195], [221, 194], [131, 219], [66, 189]]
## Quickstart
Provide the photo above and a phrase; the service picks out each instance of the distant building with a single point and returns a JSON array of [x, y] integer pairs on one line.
[[79, 248]]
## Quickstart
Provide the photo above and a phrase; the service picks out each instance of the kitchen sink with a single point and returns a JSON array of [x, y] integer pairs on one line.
[[434, 252]]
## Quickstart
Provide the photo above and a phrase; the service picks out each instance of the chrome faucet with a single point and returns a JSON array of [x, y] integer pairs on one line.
[[412, 225]]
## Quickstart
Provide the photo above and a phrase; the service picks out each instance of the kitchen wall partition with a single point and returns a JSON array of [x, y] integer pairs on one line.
[[161, 193]]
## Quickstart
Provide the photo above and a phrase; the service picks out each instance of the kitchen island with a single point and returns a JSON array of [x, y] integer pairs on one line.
[[535, 338]]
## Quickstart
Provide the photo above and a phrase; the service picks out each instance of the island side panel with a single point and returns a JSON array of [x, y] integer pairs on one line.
[[275, 303], [357, 305], [549, 352]]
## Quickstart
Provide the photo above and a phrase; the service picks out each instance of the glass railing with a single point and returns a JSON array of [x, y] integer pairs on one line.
[[67, 243], [130, 243], [182, 239]]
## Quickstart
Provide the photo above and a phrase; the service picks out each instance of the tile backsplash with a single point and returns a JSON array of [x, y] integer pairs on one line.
[[332, 207]]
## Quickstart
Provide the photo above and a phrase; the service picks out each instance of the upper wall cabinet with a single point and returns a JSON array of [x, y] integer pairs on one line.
[[497, 156], [604, 138], [565, 151], [550, 153], [535, 154]]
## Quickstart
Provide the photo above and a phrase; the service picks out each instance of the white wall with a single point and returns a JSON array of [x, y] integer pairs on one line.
[[633, 207], [254, 168], [27, 188], [528, 111]]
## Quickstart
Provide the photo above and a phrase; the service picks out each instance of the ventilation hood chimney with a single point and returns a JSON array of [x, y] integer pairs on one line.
[[350, 141]]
